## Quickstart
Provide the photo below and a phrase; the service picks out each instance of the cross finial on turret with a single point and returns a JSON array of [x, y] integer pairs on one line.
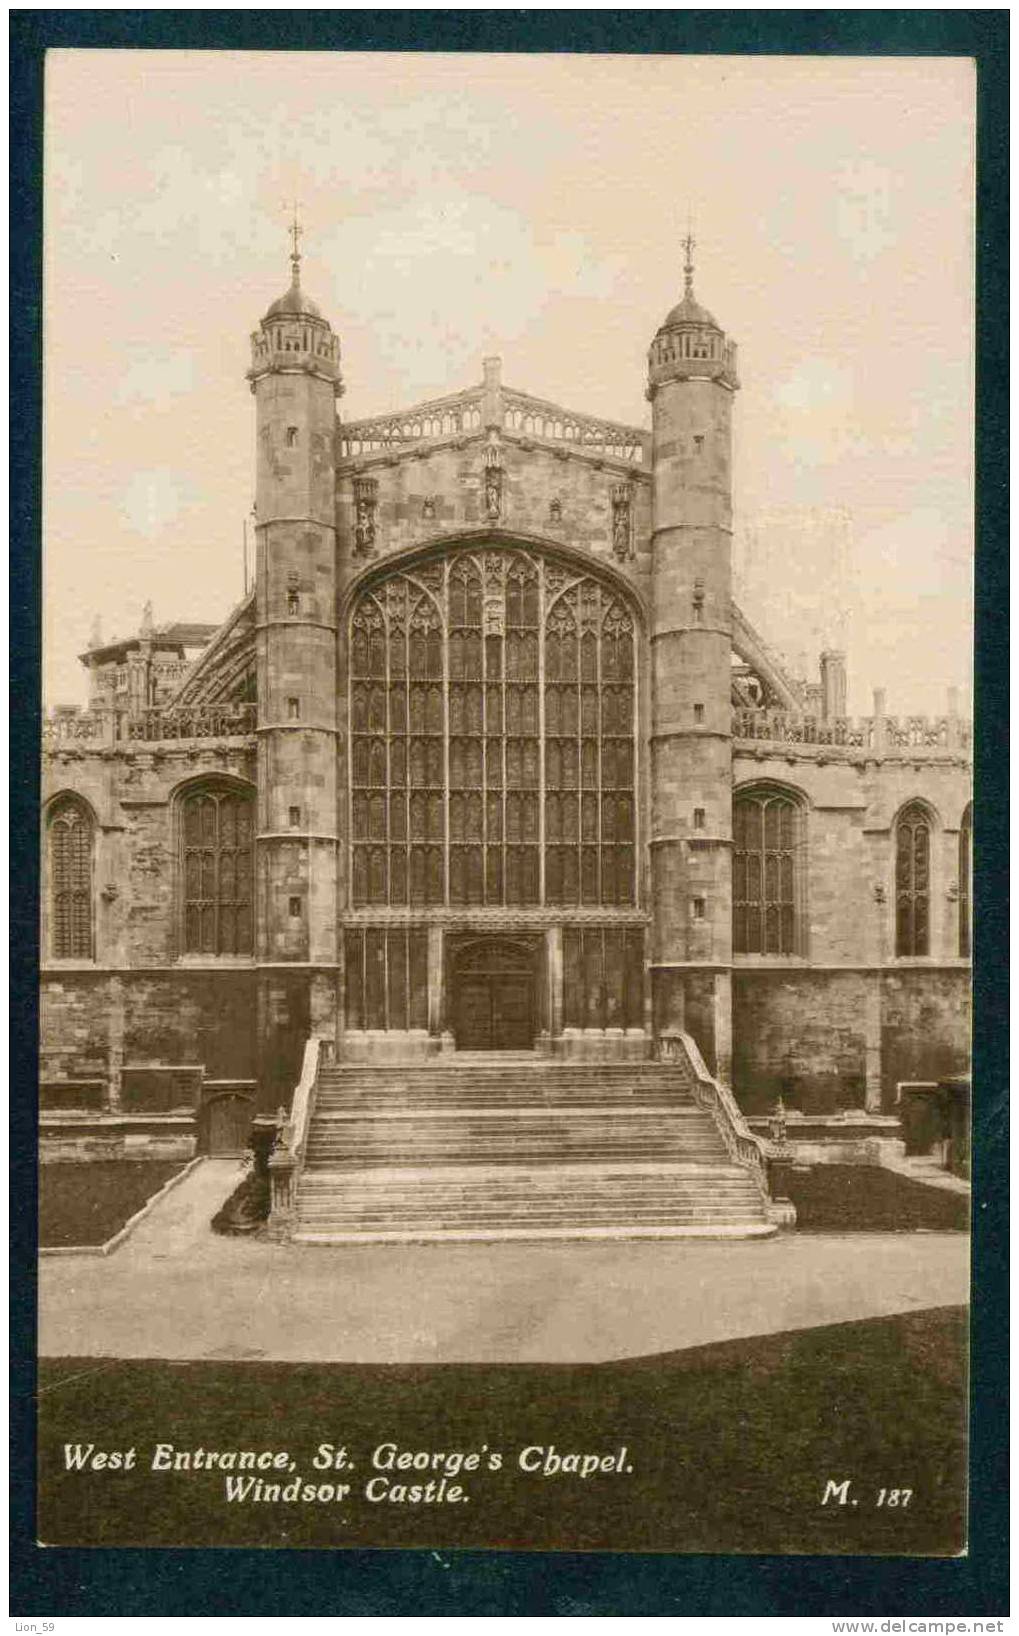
[[689, 245], [295, 231]]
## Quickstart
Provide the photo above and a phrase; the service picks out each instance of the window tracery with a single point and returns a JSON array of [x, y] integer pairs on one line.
[[216, 838], [492, 746], [912, 881], [767, 872], [70, 867]]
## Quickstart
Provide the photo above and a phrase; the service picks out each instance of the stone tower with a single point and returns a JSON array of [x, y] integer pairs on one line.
[[295, 379], [691, 382]]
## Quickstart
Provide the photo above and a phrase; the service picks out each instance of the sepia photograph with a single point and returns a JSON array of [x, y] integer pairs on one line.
[[506, 828]]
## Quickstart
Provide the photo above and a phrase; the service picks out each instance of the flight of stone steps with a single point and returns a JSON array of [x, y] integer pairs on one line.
[[504, 1145]]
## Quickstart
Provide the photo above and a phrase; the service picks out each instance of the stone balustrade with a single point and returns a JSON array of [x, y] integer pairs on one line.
[[745, 1148], [881, 735], [286, 1161], [496, 406], [533, 417], [442, 417], [97, 729]]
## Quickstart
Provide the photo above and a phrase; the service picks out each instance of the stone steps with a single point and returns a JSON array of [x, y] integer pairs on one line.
[[511, 1145], [533, 1136], [518, 1202], [543, 1084]]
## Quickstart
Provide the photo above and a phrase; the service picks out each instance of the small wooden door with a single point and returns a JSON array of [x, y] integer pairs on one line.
[[494, 997], [228, 1125]]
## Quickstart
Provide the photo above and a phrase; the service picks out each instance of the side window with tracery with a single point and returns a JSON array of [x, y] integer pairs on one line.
[[912, 881], [966, 884], [455, 798], [216, 835], [589, 794], [767, 873], [70, 836]]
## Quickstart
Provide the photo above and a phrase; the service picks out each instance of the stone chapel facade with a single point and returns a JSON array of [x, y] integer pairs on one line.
[[489, 760]]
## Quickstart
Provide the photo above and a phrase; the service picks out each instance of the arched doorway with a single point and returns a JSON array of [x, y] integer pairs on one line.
[[494, 994]]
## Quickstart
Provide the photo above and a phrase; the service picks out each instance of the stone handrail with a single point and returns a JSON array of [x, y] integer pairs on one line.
[[883, 735], [743, 1147], [287, 1158]]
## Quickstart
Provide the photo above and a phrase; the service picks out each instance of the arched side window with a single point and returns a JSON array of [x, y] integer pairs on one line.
[[966, 884], [767, 872], [493, 743], [913, 881], [70, 880], [216, 835]]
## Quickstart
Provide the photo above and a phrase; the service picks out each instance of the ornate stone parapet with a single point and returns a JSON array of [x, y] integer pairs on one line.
[[100, 729], [194, 722], [883, 736], [80, 727], [493, 405], [534, 417], [441, 417]]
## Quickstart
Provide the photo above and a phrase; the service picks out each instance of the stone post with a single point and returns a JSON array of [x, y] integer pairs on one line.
[[833, 685], [491, 403], [880, 737], [436, 957]]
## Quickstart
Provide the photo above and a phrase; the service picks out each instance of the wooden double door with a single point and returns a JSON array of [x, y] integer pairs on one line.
[[494, 993]]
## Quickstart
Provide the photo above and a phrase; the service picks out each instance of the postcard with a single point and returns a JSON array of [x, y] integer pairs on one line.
[[507, 842]]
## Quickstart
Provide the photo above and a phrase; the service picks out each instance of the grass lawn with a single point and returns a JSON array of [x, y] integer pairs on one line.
[[729, 1447], [88, 1203], [868, 1199]]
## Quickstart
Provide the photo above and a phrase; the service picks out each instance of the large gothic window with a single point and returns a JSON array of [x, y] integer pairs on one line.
[[966, 883], [216, 832], [70, 880], [492, 736], [766, 872], [912, 881]]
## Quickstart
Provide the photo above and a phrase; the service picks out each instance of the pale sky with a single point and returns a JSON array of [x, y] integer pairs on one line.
[[531, 206]]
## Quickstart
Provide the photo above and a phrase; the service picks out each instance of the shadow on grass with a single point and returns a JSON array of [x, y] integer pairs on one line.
[[729, 1447]]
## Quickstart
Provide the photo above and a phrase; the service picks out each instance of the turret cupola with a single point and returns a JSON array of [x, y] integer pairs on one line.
[[690, 343], [294, 335]]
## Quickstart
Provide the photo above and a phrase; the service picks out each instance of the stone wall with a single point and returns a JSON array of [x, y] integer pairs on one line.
[[841, 1023], [815, 1038], [801, 1036], [559, 496], [925, 1027]]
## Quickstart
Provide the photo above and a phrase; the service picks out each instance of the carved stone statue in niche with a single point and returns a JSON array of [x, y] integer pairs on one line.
[[366, 493], [622, 523], [493, 485]]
